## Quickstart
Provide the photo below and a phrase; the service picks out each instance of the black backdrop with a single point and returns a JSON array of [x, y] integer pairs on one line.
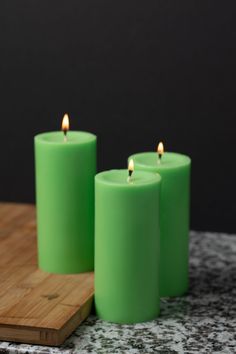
[[134, 73]]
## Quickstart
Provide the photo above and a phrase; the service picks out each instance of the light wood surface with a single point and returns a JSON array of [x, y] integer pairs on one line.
[[36, 307]]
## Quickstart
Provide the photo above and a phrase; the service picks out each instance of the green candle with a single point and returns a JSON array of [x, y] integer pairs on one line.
[[174, 216], [127, 246], [65, 170]]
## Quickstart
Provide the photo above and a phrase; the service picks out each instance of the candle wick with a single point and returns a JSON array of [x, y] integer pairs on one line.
[[129, 177], [65, 135], [159, 158]]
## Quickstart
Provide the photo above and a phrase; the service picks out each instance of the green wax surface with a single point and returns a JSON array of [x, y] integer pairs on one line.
[[127, 246], [65, 173], [174, 217]]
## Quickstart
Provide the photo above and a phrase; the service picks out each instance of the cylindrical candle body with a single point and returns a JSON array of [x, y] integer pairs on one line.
[[127, 246], [174, 217], [65, 201]]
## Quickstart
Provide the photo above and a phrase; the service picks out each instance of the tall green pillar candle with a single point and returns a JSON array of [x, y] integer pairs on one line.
[[65, 170], [174, 217], [127, 246]]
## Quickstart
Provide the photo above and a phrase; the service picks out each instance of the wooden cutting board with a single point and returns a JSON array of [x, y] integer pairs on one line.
[[35, 307]]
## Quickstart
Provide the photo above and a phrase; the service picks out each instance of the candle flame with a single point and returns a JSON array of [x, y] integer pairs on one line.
[[160, 149], [131, 166], [65, 123]]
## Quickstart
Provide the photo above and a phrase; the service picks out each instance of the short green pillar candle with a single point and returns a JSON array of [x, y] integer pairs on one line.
[[127, 246], [174, 217], [65, 170]]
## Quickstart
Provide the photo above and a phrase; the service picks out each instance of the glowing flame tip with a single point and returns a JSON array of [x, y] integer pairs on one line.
[[160, 149], [65, 123], [131, 165]]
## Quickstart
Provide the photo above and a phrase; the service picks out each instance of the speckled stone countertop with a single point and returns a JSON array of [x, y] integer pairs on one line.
[[204, 321]]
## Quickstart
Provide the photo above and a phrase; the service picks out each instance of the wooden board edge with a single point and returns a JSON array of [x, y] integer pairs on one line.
[[42, 336], [75, 320]]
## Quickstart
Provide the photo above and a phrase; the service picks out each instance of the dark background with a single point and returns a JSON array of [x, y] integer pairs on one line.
[[134, 73]]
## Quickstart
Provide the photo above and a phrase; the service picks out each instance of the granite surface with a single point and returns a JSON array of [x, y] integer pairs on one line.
[[204, 321]]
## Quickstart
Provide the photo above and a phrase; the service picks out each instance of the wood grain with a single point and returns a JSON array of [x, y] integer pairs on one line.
[[36, 307]]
